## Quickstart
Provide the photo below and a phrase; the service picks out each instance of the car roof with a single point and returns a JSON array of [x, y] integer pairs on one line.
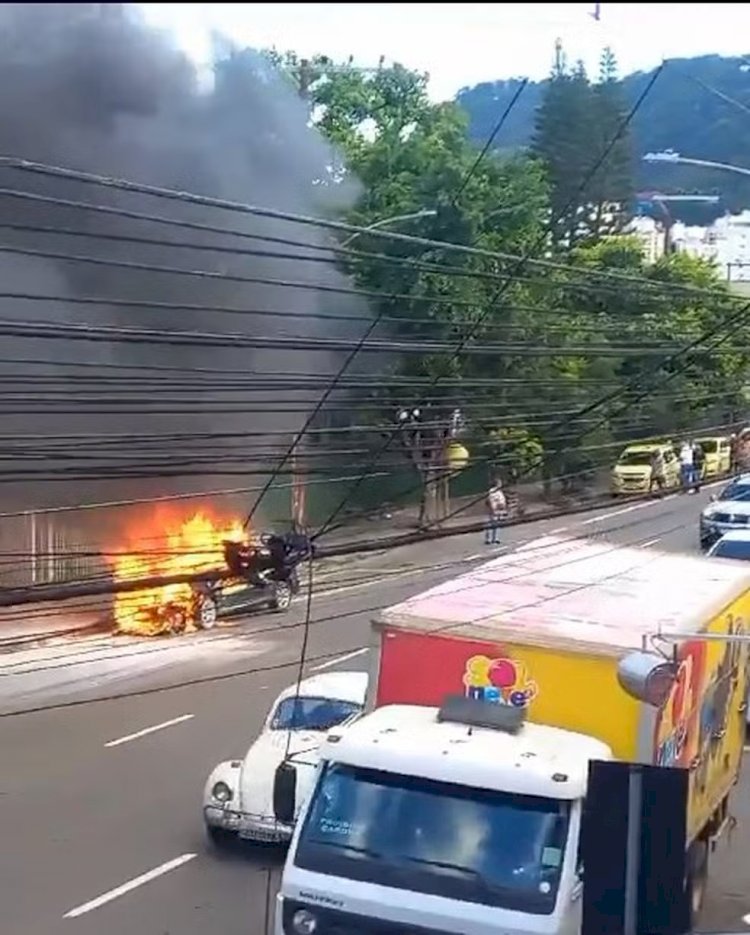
[[340, 686], [650, 446]]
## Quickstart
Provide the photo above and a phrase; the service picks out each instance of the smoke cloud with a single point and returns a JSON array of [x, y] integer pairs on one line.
[[90, 87]]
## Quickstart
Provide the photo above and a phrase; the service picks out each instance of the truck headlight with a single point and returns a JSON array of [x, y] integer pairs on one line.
[[304, 922], [221, 792]]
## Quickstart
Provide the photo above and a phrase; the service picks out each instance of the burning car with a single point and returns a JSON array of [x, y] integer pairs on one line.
[[262, 573]]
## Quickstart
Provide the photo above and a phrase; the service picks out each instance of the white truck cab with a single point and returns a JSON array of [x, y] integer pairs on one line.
[[440, 821]]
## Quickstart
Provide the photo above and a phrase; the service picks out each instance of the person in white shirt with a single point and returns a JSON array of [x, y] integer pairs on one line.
[[687, 465], [497, 510]]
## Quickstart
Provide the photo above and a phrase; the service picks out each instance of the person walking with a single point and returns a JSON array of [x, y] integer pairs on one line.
[[497, 510], [699, 462], [657, 473], [687, 467]]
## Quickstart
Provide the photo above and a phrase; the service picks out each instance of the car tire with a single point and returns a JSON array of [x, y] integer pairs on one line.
[[282, 597], [206, 613], [220, 838]]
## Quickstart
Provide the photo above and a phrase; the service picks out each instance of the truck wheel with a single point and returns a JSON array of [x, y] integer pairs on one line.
[[697, 878]]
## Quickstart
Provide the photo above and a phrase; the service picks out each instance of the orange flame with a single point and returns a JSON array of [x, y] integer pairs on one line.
[[193, 546]]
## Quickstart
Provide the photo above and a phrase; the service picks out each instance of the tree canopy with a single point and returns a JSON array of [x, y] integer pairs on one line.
[[552, 366], [694, 109]]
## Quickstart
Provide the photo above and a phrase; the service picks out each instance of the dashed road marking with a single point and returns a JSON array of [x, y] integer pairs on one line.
[[129, 886], [149, 730], [334, 662]]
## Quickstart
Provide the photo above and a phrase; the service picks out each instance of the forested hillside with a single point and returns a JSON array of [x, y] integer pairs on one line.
[[686, 111]]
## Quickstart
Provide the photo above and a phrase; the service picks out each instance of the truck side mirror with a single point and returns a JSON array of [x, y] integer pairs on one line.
[[285, 793]]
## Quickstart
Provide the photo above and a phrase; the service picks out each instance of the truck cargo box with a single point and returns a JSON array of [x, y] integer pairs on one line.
[[544, 628]]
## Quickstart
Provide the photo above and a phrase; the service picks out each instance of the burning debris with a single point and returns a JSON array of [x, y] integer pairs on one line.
[[262, 570], [196, 545]]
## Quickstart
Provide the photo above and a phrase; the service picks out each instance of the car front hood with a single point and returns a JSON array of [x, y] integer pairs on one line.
[[724, 507], [263, 758]]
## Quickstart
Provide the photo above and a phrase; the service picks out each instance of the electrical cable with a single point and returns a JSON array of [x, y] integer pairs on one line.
[[491, 138], [539, 244], [347, 363], [237, 207]]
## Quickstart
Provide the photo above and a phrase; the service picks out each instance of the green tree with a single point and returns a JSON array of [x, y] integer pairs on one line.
[[580, 130], [411, 155], [612, 189], [568, 342], [562, 141]]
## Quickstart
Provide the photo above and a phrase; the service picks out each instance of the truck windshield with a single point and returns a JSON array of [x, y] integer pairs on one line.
[[494, 848]]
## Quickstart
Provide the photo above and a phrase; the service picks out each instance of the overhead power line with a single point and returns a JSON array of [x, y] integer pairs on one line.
[[539, 244]]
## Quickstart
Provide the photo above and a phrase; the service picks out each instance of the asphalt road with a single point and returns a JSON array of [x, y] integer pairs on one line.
[[81, 820]]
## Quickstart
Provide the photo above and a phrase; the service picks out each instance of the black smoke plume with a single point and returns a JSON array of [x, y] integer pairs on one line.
[[90, 87]]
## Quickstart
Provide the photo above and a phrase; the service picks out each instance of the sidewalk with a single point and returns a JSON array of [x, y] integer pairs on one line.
[[27, 625], [463, 510]]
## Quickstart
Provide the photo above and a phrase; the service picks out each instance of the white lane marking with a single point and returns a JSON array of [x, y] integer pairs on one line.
[[149, 730], [560, 529], [130, 885], [625, 509], [645, 545], [338, 659], [746, 919]]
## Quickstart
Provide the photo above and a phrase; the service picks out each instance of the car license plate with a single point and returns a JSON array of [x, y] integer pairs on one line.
[[258, 834]]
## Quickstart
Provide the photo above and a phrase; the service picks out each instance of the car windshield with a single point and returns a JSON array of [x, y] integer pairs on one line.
[[308, 713], [728, 548], [493, 848], [709, 445], [735, 492], [636, 457]]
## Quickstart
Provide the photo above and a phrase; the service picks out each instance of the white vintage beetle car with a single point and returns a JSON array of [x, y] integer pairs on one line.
[[238, 796]]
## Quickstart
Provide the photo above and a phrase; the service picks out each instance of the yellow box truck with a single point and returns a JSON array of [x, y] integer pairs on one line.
[[593, 652]]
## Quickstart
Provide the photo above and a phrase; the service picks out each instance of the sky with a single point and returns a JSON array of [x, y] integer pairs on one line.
[[460, 45]]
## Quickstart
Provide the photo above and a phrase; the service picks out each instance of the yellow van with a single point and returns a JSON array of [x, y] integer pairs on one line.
[[718, 452], [632, 471]]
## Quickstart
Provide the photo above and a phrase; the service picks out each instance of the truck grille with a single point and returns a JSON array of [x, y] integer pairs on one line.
[[335, 922]]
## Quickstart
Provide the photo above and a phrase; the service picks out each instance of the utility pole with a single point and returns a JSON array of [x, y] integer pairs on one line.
[[425, 438]]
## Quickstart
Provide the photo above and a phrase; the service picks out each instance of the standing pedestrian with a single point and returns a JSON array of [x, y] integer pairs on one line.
[[699, 462], [657, 472], [497, 510], [687, 453], [734, 453]]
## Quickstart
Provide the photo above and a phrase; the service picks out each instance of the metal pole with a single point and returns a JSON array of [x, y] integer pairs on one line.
[[33, 549], [633, 851], [51, 550]]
